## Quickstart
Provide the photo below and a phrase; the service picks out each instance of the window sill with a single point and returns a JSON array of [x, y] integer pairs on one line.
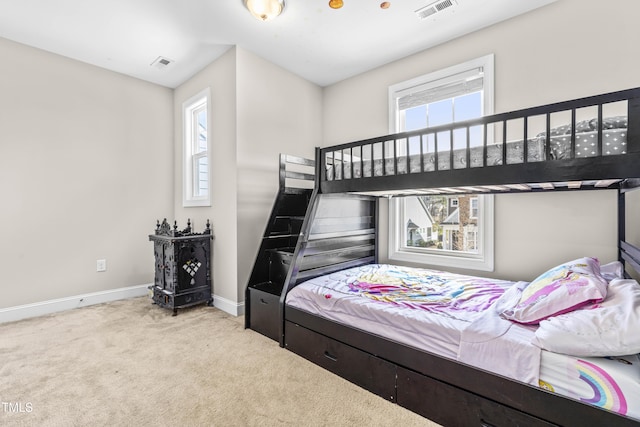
[[467, 263], [196, 203]]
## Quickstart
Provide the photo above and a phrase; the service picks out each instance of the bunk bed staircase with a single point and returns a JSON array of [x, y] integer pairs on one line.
[[278, 244], [308, 235]]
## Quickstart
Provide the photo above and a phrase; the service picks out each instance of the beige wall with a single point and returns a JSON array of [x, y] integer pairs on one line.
[[89, 159], [278, 112], [558, 52], [220, 78], [85, 170], [258, 111]]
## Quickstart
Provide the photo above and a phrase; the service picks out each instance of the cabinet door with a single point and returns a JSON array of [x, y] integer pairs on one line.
[[159, 277], [169, 276], [192, 265]]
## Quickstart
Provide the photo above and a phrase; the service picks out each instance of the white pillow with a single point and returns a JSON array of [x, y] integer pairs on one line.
[[613, 270], [609, 328]]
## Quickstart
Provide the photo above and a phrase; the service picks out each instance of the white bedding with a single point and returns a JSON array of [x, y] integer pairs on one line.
[[442, 306], [456, 316], [498, 345]]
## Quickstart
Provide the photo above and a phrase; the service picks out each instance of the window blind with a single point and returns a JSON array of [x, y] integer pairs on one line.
[[456, 85]]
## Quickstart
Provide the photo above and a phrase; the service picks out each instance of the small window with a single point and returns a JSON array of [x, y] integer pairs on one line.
[[196, 172], [473, 208], [472, 240]]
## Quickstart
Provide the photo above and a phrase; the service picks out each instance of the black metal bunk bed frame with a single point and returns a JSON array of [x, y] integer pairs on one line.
[[339, 231]]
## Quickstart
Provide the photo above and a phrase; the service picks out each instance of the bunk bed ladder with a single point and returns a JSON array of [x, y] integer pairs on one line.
[[278, 243]]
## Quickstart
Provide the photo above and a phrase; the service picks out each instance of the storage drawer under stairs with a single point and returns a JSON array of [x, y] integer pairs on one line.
[[264, 300]]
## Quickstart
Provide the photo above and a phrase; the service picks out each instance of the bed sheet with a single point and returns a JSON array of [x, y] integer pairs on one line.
[[612, 383], [425, 309]]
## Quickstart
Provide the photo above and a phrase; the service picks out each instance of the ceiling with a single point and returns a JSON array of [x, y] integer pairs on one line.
[[320, 44]]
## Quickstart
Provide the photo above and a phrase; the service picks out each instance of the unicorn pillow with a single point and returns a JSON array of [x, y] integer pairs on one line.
[[559, 290]]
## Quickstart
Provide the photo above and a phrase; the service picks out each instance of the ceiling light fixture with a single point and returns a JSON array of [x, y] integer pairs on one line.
[[265, 10], [385, 5]]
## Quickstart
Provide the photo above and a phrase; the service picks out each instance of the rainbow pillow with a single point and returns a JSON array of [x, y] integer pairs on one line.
[[559, 290]]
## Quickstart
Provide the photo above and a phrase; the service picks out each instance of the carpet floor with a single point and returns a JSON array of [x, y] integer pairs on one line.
[[130, 363]]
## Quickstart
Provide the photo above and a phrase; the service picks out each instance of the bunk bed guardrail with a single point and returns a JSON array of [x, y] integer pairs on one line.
[[499, 153]]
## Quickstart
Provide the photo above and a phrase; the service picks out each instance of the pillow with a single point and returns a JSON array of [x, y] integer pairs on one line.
[[559, 290], [610, 328], [613, 270]]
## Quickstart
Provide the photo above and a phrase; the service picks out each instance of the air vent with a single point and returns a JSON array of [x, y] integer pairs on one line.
[[161, 62], [433, 8]]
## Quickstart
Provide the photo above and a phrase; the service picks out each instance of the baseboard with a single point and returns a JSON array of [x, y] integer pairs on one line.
[[11, 314], [228, 306], [26, 311]]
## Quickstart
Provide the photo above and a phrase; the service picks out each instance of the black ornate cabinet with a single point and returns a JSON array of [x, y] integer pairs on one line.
[[182, 266]]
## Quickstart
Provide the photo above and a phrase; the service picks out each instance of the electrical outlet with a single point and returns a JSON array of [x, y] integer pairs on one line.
[[101, 265]]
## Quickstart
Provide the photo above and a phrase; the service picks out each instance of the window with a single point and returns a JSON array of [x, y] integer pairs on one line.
[[461, 226], [472, 240], [473, 208], [196, 172]]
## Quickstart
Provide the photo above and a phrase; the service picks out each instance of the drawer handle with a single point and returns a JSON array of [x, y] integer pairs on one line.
[[330, 356], [483, 423], [263, 301]]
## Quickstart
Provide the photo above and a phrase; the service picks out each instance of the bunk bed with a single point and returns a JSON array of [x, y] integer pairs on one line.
[[530, 150]]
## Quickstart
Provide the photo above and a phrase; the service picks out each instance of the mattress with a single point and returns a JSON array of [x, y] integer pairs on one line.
[[431, 310], [614, 142], [612, 383]]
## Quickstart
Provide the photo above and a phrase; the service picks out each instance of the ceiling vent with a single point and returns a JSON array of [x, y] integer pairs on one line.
[[433, 8], [161, 62]]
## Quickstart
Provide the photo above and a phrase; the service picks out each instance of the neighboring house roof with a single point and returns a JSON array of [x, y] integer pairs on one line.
[[412, 225], [453, 218]]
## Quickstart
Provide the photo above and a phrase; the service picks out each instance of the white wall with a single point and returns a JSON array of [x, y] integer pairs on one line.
[[85, 170], [561, 51], [258, 111]]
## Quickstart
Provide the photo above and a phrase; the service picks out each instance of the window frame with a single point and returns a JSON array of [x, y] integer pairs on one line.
[[191, 151], [483, 260]]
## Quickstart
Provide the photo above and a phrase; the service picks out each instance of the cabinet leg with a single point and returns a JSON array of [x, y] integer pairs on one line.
[[175, 312]]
